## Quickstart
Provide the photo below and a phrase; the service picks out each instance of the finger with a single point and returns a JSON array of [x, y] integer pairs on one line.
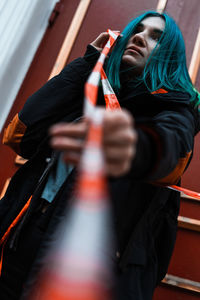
[[103, 36], [73, 130], [120, 137], [100, 41], [67, 144]]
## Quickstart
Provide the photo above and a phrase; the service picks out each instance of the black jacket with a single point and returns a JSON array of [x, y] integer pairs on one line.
[[145, 211]]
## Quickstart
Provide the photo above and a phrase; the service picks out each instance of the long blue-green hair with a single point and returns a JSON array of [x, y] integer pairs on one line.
[[165, 68]]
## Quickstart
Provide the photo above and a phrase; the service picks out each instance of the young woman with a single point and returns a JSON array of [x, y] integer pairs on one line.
[[147, 146]]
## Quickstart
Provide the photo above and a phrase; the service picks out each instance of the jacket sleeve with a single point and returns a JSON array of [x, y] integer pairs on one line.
[[165, 142], [61, 98]]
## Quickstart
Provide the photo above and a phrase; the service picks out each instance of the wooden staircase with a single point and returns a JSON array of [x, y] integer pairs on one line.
[[183, 279]]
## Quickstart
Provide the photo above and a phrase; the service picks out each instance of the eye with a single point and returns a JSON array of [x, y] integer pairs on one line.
[[155, 37], [138, 29]]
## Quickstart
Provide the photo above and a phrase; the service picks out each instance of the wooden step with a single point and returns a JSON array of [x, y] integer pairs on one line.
[[183, 196], [182, 283], [189, 223]]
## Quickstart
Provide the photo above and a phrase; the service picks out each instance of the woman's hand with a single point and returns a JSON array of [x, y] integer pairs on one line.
[[119, 141], [70, 139], [101, 40]]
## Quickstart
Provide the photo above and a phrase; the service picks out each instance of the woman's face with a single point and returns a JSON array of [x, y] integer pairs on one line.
[[142, 43]]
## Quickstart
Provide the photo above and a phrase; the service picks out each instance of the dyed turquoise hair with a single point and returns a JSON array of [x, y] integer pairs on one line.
[[166, 66]]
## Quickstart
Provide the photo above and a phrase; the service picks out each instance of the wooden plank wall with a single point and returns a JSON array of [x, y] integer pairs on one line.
[[37, 75]]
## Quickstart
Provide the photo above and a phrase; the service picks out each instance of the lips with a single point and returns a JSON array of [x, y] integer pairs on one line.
[[135, 48]]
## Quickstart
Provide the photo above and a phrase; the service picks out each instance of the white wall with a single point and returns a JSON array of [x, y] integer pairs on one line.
[[22, 26]]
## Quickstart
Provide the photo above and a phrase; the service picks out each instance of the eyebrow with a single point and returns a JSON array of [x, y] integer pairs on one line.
[[156, 30]]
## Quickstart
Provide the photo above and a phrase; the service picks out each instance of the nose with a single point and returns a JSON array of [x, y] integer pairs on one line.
[[139, 39]]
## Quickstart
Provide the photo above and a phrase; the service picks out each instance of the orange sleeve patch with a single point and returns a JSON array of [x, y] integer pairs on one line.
[[176, 174], [14, 133], [160, 91]]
